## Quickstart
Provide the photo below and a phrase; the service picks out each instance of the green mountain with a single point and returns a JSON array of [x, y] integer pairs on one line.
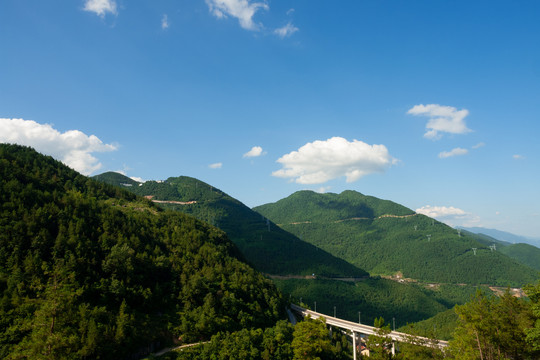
[[265, 245], [386, 238], [92, 271], [485, 239], [524, 253], [504, 236]]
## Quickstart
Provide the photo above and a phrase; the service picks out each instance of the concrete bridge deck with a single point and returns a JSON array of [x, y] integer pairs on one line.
[[357, 328]]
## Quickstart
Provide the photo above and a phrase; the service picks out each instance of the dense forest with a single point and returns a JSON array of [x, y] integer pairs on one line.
[[371, 298], [524, 253], [265, 245], [487, 328], [385, 238], [88, 270]]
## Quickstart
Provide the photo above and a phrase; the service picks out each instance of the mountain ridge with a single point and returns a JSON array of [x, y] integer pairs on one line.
[[269, 248], [416, 246]]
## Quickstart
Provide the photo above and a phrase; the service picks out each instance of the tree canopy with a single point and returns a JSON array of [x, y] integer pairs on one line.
[[88, 270]]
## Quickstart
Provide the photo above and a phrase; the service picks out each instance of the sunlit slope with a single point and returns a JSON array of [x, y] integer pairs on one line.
[[386, 238], [523, 253], [265, 245]]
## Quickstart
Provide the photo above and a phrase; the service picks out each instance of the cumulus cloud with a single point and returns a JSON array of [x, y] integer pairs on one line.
[[286, 30], [442, 119], [73, 147], [164, 22], [100, 7], [254, 152], [440, 211], [450, 215], [243, 10], [321, 161], [454, 152], [216, 165]]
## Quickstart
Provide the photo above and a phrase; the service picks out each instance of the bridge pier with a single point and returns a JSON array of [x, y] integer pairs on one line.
[[354, 344]]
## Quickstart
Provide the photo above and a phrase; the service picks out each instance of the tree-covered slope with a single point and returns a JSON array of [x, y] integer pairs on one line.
[[88, 270], [524, 253], [386, 238], [265, 245]]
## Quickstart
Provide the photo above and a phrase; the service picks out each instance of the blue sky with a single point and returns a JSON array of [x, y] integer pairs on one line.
[[432, 104]]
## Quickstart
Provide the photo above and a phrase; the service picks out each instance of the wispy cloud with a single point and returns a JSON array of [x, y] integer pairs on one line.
[[518, 157], [100, 7], [286, 30], [254, 152], [479, 145], [454, 152], [164, 22], [320, 161], [73, 147], [442, 119], [243, 10], [216, 165]]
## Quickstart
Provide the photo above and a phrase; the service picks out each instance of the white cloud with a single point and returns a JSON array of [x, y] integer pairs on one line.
[[453, 152], [137, 178], [72, 147], [450, 215], [164, 22], [216, 165], [323, 189], [286, 30], [290, 11], [443, 119], [100, 7], [321, 161], [479, 145], [440, 211], [243, 10], [254, 152], [518, 157]]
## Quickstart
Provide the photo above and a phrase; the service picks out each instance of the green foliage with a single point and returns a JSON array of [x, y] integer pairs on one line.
[[309, 339], [441, 326], [493, 328], [269, 248], [524, 253], [372, 297], [309, 206], [385, 238], [88, 270], [533, 333], [380, 344]]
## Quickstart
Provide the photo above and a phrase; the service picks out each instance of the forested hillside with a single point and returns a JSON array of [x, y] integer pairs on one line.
[[88, 270], [265, 245], [525, 254], [386, 238]]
